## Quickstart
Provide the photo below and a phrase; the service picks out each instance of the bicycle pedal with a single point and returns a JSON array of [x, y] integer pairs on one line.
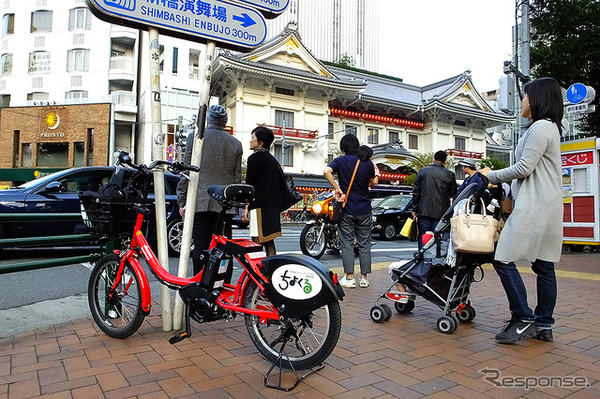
[[178, 337]]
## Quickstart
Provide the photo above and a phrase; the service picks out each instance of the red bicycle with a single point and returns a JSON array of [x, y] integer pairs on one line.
[[285, 299]]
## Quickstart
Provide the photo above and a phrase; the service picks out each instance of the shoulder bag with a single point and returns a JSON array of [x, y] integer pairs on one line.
[[339, 207], [289, 194], [473, 232]]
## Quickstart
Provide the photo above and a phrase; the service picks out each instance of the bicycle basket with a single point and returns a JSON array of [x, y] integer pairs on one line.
[[110, 211]]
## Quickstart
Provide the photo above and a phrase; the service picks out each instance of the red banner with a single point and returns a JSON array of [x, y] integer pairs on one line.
[[582, 158]]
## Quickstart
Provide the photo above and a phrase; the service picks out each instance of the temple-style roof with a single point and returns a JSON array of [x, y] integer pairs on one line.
[[285, 57]]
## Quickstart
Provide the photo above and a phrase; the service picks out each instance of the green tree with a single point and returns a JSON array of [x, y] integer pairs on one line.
[[493, 163], [565, 44], [345, 60]]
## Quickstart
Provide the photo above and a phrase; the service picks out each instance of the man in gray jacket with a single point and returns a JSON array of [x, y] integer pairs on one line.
[[221, 164], [433, 188]]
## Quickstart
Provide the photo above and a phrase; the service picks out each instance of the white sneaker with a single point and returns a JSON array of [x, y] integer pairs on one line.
[[345, 282], [364, 283]]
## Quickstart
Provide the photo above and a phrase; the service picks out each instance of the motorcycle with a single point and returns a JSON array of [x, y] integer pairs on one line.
[[321, 233]]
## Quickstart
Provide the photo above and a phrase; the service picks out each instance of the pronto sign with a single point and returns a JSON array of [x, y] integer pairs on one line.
[[233, 25]]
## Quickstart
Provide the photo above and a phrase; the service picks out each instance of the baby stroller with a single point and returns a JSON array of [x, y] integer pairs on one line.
[[428, 276]]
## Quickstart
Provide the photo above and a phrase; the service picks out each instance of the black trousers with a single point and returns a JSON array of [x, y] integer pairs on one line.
[[205, 225]]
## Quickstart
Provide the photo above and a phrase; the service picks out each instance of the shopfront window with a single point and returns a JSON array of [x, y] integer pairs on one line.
[[79, 156], [26, 155], [53, 155]]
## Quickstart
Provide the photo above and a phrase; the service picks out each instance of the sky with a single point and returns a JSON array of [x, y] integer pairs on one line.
[[425, 41]]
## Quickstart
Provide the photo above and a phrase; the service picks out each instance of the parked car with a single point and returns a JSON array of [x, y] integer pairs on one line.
[[58, 193], [390, 214]]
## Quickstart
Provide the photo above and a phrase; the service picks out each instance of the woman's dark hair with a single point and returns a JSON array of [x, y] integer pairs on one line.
[[364, 153], [545, 100], [349, 144], [264, 135]]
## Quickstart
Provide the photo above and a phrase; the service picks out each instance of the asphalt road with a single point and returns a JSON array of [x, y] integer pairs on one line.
[[39, 297]]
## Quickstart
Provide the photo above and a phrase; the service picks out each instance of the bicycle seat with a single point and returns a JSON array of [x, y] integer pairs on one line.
[[243, 193]]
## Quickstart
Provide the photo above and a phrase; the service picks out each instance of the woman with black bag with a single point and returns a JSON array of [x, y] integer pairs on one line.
[[264, 173]]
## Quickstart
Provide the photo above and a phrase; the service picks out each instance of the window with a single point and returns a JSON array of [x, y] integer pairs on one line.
[[80, 19], [90, 144], [460, 143], [53, 155], [78, 60], [288, 159], [76, 96], [581, 180], [394, 136], [6, 64], [26, 159], [413, 142], [458, 172], [79, 156], [350, 129], [281, 90], [16, 144], [284, 118], [175, 56], [330, 130], [8, 24], [39, 62], [373, 136], [4, 100], [161, 58], [41, 21], [38, 96]]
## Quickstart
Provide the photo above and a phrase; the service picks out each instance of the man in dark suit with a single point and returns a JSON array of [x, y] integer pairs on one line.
[[221, 164], [434, 187]]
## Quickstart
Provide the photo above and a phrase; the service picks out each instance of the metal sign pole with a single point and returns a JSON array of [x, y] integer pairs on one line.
[[159, 175], [188, 222]]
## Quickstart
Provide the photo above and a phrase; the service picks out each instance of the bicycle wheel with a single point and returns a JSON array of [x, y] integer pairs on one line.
[[312, 337], [121, 315]]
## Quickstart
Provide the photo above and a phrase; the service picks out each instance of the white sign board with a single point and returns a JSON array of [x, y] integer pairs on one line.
[[228, 24]]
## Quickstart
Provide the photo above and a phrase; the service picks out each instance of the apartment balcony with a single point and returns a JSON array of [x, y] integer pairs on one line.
[[122, 69], [125, 101], [123, 35]]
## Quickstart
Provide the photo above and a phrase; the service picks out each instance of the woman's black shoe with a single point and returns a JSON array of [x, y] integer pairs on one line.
[[544, 335]]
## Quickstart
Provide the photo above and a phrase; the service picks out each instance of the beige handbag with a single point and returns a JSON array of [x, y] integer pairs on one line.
[[473, 232]]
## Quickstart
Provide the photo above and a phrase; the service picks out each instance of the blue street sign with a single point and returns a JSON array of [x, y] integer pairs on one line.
[[274, 6], [576, 93], [229, 25]]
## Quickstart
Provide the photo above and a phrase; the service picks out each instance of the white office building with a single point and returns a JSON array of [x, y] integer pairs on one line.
[[332, 29]]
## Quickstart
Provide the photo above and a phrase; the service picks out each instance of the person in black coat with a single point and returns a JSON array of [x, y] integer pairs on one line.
[[265, 174], [434, 186]]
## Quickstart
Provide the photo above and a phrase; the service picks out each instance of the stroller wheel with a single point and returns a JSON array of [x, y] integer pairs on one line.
[[378, 314], [404, 308], [387, 310], [465, 314], [447, 324]]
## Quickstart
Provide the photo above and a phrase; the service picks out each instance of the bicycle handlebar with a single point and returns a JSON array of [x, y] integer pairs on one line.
[[175, 167]]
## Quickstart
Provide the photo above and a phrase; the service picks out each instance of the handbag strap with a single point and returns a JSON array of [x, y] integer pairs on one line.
[[350, 185], [468, 210]]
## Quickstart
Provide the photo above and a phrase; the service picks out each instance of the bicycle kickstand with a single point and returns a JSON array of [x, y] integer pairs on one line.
[[184, 334]]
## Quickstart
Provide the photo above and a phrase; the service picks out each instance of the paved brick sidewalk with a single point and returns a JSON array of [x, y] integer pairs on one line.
[[403, 358]]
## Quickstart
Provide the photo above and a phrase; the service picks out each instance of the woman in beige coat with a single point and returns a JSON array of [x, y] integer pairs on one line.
[[533, 232]]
